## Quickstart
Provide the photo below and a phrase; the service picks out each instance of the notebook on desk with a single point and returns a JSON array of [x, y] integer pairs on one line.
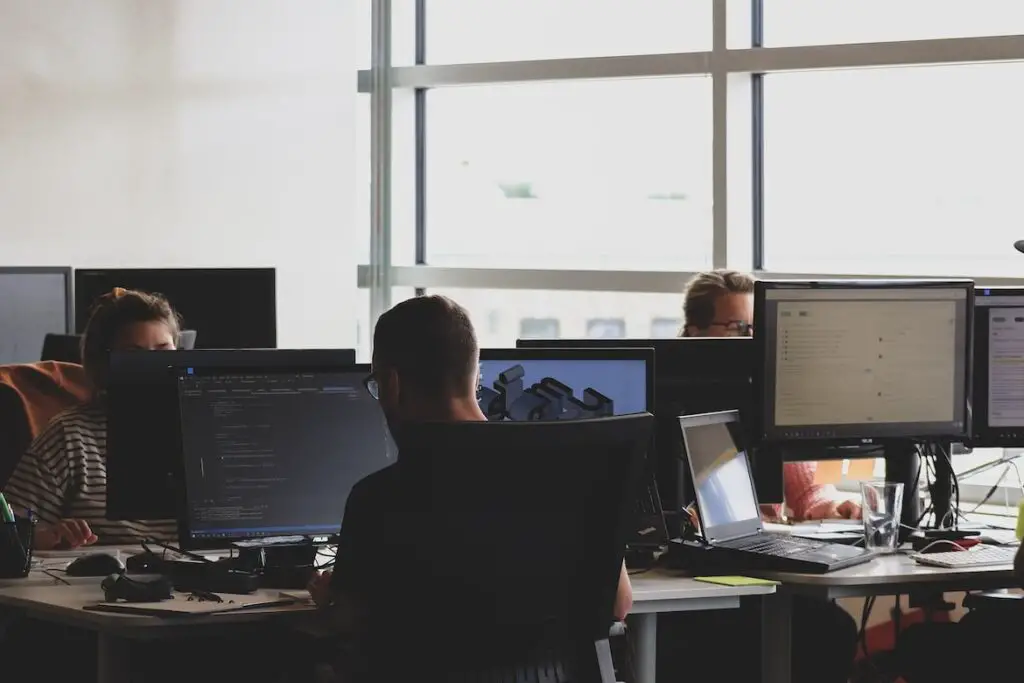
[[729, 514]]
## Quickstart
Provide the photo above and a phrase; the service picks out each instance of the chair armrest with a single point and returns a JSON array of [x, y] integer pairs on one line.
[[995, 601], [617, 629]]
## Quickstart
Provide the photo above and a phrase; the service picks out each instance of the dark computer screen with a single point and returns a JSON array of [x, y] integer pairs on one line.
[[143, 426], [230, 308], [549, 384], [275, 453], [998, 400], [34, 302], [863, 360]]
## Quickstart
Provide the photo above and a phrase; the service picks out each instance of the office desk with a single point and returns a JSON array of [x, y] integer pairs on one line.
[[48, 601], [887, 575], [657, 592]]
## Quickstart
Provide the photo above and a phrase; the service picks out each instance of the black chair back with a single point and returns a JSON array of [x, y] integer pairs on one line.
[[521, 530]]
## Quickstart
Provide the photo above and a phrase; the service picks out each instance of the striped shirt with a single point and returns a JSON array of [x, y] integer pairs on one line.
[[63, 475]]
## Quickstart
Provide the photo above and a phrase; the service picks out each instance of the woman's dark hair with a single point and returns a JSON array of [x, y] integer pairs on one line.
[[111, 313]]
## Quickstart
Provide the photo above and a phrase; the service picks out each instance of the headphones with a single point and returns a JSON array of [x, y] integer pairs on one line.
[[143, 588]]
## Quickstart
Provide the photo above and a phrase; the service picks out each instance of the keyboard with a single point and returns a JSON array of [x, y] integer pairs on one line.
[[778, 546], [979, 556]]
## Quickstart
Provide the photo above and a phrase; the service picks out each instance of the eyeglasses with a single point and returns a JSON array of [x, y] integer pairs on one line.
[[370, 382], [739, 328]]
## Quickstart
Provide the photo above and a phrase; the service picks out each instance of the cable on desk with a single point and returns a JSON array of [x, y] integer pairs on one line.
[[56, 577]]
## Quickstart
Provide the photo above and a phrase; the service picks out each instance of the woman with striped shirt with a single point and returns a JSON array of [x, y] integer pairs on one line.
[[62, 478]]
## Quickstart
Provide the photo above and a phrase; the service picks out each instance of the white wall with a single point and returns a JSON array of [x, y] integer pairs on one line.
[[182, 133]]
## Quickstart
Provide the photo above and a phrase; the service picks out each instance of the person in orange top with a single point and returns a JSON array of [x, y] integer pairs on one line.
[[824, 636]]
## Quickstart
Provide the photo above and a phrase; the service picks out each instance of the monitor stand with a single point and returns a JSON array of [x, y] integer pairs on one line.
[[903, 465]]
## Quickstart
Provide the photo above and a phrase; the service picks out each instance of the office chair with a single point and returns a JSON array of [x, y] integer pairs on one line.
[[519, 530]]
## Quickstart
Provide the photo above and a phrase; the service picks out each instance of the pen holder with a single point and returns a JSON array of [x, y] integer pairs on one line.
[[16, 539]]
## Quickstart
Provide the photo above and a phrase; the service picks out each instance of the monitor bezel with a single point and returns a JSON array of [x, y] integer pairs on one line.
[[69, 289], [186, 541], [858, 434], [645, 354], [983, 435]]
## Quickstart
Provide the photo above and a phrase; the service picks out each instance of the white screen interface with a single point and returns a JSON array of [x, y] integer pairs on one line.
[[857, 357], [721, 477], [1005, 367]]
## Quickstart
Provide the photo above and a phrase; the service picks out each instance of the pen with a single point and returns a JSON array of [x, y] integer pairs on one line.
[[5, 509]]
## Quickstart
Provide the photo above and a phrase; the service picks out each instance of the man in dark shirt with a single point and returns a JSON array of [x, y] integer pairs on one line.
[[425, 366]]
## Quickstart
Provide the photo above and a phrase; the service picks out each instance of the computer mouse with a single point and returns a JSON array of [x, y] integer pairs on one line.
[[145, 563], [95, 564]]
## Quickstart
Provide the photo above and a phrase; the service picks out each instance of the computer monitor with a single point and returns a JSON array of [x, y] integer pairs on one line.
[[863, 361], [34, 302], [143, 428], [564, 384], [271, 452], [998, 401], [232, 308], [694, 375]]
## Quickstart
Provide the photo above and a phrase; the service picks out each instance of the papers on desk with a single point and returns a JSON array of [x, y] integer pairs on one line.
[[181, 606]]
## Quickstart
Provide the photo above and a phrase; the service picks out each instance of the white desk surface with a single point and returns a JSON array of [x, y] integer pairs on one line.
[[663, 591], [63, 603], [898, 568]]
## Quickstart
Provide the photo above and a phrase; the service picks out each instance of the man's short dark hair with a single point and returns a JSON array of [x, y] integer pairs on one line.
[[430, 342]]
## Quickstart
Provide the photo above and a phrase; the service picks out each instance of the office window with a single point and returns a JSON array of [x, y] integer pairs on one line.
[[606, 328], [363, 174], [592, 174], [364, 329], [535, 328], [823, 22], [910, 171], [666, 328], [513, 30], [556, 314]]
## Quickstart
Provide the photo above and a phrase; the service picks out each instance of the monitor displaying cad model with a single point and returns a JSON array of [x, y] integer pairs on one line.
[[33, 303], [561, 389], [864, 361]]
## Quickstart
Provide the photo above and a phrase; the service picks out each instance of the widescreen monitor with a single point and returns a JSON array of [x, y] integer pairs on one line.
[[230, 308], [143, 430], [863, 361], [274, 452], [998, 400]]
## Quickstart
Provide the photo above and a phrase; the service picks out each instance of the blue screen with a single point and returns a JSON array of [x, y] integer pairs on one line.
[[563, 389]]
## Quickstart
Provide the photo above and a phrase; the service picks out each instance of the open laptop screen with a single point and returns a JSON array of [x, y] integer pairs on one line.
[[723, 482]]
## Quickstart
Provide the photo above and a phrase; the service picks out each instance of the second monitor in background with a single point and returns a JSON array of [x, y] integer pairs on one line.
[[998, 399], [232, 308], [564, 384]]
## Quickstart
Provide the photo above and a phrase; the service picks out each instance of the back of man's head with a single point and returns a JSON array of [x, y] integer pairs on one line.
[[429, 342]]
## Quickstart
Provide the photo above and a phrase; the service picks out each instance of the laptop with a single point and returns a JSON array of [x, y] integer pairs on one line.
[[728, 509]]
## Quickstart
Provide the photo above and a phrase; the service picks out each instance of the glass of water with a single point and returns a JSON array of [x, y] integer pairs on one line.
[[882, 509]]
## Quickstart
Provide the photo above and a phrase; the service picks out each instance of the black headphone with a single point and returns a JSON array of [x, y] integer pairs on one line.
[[143, 588]]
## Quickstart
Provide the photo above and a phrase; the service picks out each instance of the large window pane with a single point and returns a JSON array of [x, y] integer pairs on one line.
[[513, 30], [502, 316], [363, 202], [592, 174], [894, 171], [823, 22]]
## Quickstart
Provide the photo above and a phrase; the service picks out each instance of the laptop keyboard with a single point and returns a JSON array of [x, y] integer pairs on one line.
[[779, 546]]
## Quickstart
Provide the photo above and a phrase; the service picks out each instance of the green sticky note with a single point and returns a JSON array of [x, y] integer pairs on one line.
[[736, 581]]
